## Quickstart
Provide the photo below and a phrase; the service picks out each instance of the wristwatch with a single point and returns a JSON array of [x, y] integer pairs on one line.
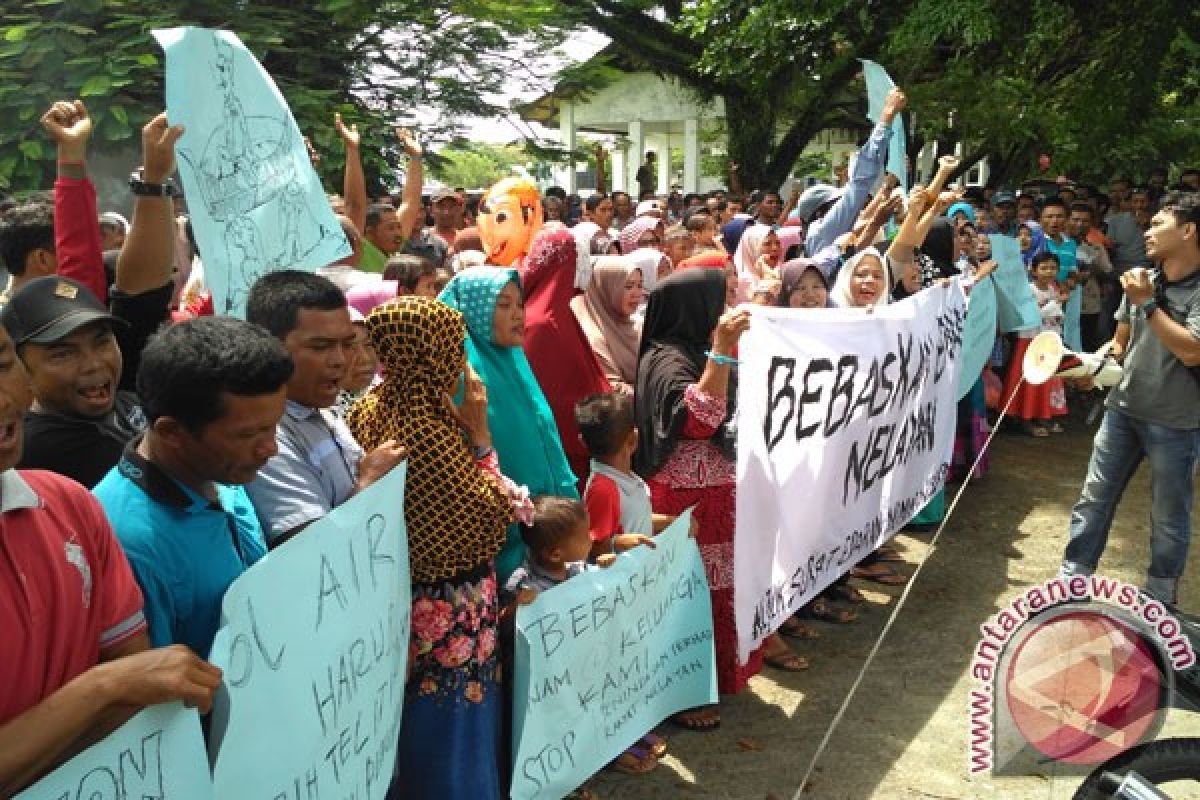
[[1149, 307], [142, 189]]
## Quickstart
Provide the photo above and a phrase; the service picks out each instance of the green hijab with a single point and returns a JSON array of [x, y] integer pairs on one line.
[[523, 430]]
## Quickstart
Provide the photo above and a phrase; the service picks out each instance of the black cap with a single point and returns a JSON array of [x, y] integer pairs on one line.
[[1002, 196], [51, 308]]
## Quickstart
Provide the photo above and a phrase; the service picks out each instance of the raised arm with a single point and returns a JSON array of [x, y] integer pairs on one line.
[[354, 183], [148, 256], [76, 220], [409, 212]]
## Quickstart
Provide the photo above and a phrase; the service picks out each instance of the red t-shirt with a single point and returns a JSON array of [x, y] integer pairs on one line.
[[603, 501], [66, 590]]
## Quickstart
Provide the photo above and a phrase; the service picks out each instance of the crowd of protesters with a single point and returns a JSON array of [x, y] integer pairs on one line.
[[553, 412]]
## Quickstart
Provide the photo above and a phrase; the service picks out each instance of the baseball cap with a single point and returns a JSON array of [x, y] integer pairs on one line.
[[49, 309], [649, 208], [814, 197], [443, 194], [1003, 196]]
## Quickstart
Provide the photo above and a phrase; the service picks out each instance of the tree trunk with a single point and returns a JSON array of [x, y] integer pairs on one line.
[[751, 125]]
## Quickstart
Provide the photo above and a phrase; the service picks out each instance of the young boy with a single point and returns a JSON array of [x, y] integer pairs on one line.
[[558, 544], [617, 500], [703, 229], [412, 274]]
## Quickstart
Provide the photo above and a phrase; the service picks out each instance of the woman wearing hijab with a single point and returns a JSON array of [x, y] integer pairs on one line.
[[804, 285], [757, 259], [655, 266], [731, 233], [641, 232], [558, 351], [1032, 240], [523, 430], [683, 403], [456, 508], [605, 312]]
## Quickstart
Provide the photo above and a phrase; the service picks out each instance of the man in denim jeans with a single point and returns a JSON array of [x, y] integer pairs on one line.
[[1154, 413]]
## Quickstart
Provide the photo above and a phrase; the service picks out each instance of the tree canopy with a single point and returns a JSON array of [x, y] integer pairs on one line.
[[378, 62], [1099, 86]]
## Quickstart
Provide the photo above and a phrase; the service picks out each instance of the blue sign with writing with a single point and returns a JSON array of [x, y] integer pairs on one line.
[[314, 645], [1016, 309], [979, 334], [879, 83], [256, 204], [605, 657], [1072, 336], [157, 754]]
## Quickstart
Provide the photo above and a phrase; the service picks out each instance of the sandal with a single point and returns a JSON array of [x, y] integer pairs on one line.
[[705, 719], [846, 593], [821, 609], [795, 629], [788, 662], [656, 744], [634, 761], [879, 574], [885, 552]]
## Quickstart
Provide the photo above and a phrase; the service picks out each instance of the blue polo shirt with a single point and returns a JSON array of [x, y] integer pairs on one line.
[[184, 549]]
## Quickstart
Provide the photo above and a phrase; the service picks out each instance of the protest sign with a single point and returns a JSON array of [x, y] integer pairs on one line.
[[879, 83], [157, 754], [1016, 309], [845, 430], [979, 334], [314, 645], [256, 203], [604, 657]]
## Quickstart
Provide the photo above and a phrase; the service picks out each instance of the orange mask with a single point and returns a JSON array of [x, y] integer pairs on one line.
[[510, 215]]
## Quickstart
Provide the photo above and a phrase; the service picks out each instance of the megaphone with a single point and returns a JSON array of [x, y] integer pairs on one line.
[[1047, 357]]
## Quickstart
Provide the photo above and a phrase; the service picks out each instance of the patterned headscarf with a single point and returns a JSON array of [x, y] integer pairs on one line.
[[456, 515], [634, 231]]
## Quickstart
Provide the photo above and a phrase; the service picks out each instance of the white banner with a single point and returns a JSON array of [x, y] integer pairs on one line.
[[845, 430]]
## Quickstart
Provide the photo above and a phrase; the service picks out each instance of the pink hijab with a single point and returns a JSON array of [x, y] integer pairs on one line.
[[613, 334], [745, 259]]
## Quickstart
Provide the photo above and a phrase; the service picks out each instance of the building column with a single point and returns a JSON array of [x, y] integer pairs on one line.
[[664, 164], [616, 166], [637, 151], [691, 155], [566, 127]]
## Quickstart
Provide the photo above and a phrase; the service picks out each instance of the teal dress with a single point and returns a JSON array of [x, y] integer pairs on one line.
[[523, 429]]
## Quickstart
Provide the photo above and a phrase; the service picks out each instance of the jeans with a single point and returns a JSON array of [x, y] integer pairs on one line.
[[1121, 444]]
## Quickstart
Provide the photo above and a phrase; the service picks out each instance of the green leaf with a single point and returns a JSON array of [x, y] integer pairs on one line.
[[31, 149], [16, 33], [147, 60], [95, 85], [119, 114]]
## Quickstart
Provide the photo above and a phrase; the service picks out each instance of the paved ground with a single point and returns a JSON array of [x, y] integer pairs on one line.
[[904, 736]]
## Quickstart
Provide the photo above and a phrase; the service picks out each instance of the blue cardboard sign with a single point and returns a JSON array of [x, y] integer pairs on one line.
[[314, 645], [1072, 335], [979, 334], [255, 201], [159, 754], [605, 657], [1016, 309], [879, 83]]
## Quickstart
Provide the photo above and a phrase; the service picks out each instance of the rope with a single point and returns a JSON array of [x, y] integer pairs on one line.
[[837, 718]]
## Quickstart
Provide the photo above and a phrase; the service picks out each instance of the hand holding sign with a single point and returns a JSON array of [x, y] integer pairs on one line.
[[162, 675]]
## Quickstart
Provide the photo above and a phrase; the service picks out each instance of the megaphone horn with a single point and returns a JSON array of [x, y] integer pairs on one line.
[[1048, 358]]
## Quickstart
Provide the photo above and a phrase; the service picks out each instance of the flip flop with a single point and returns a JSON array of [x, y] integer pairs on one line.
[[886, 577], [788, 662], [885, 552], [821, 609], [795, 629], [847, 593], [634, 761], [689, 722], [656, 744]]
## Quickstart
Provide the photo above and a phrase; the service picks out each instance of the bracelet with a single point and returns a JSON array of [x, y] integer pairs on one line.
[[717, 358], [480, 453]]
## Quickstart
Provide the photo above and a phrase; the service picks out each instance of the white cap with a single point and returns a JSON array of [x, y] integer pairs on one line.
[[649, 208]]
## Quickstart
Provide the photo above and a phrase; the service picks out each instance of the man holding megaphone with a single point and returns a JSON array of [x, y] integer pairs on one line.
[[1153, 412]]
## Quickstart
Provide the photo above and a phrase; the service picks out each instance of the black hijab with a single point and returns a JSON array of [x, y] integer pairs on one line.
[[681, 314], [939, 246]]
